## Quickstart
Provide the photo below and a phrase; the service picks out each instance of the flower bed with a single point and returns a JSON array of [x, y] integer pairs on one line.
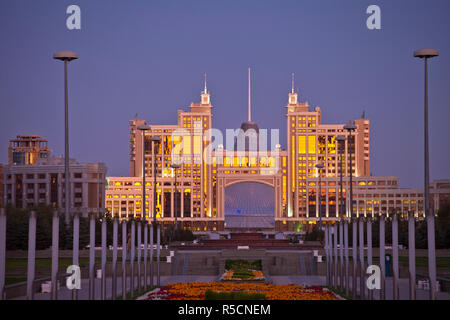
[[196, 291]]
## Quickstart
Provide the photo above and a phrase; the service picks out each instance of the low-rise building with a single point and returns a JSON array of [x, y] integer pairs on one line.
[[372, 196], [43, 182]]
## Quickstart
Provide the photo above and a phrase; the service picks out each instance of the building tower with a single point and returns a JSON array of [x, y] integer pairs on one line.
[[27, 149]]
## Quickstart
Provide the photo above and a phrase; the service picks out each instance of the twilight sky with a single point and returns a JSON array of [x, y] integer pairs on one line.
[[148, 57]]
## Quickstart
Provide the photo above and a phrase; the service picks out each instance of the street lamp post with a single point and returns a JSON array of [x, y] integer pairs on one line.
[[320, 166], [428, 54], [175, 167], [341, 140], [66, 56], [143, 128], [155, 140], [351, 127]]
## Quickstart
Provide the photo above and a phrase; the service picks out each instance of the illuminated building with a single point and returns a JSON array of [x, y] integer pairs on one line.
[[201, 185], [27, 149]]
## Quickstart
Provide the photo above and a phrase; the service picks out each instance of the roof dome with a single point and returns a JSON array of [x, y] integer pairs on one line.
[[248, 137], [249, 125]]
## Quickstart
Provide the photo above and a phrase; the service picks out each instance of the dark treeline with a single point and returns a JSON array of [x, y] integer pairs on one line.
[[442, 232], [17, 230]]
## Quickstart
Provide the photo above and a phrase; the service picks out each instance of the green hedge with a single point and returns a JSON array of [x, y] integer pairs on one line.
[[242, 274], [243, 264]]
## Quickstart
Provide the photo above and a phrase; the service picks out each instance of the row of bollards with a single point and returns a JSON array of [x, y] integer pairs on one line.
[[129, 250], [336, 247]]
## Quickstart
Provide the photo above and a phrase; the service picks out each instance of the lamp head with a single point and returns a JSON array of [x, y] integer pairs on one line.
[[65, 55], [426, 53]]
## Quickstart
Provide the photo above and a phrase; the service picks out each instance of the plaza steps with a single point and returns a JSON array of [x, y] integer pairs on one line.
[[273, 262], [194, 264], [253, 240]]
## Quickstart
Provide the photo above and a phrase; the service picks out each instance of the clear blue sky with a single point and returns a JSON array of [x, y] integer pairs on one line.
[[148, 57]]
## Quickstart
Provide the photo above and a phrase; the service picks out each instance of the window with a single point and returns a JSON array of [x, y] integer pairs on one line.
[[77, 175], [302, 144], [19, 157], [311, 144]]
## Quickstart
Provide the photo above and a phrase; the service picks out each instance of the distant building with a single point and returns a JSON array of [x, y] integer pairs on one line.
[[43, 183], [440, 193], [27, 149]]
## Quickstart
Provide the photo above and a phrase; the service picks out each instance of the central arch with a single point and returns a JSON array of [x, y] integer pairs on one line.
[[249, 206], [249, 198], [270, 185]]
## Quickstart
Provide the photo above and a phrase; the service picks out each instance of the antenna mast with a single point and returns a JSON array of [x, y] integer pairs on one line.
[[249, 101], [292, 85]]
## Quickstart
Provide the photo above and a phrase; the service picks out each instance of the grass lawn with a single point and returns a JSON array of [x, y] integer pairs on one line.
[[14, 265], [136, 294], [13, 280], [421, 262], [16, 268]]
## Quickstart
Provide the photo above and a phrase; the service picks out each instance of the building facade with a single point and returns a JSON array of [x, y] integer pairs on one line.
[[27, 149], [26, 186], [206, 170]]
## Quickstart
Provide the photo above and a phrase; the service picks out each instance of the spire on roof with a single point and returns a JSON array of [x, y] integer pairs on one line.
[[293, 96], [205, 91], [249, 98], [292, 82], [205, 97]]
